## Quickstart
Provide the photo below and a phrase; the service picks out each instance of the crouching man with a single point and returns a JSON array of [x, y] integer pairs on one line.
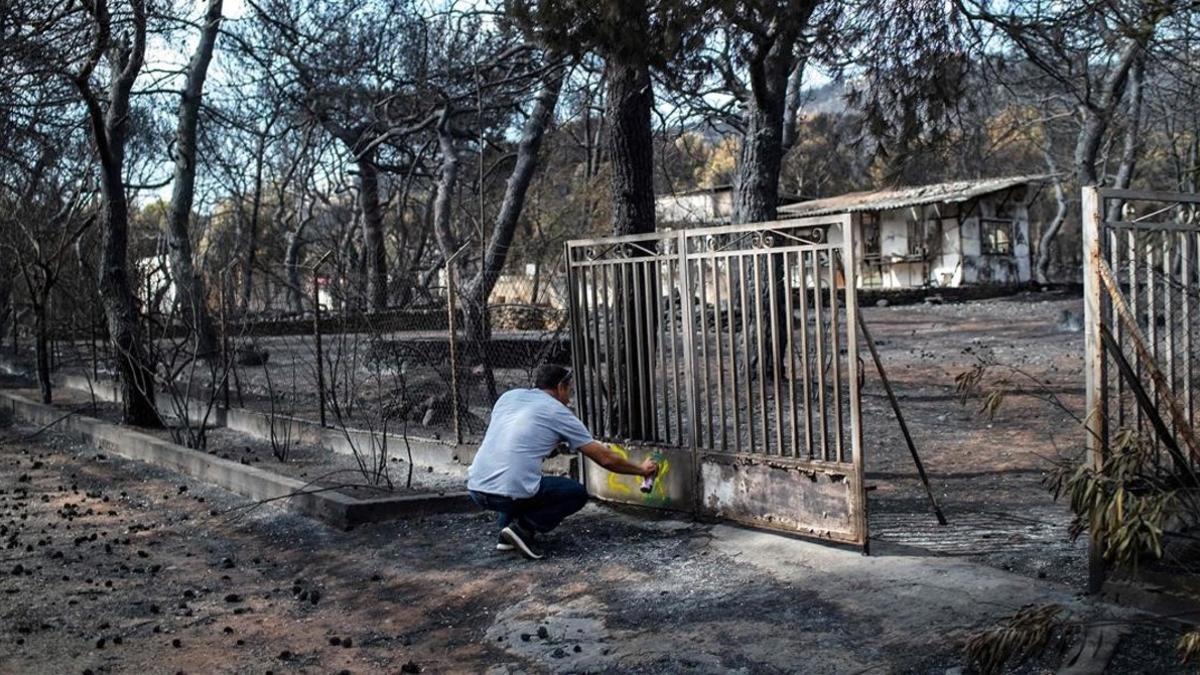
[[506, 476]]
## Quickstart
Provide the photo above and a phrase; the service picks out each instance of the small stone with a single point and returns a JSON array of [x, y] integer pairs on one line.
[[233, 597], [525, 637], [410, 667], [542, 632], [577, 649], [228, 629], [335, 641], [558, 653], [285, 655], [347, 642], [177, 643], [100, 643]]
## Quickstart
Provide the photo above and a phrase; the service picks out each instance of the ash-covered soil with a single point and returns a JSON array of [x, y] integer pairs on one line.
[[987, 473]]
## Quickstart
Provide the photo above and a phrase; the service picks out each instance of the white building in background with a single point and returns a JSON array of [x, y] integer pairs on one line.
[[152, 283], [701, 207], [945, 235]]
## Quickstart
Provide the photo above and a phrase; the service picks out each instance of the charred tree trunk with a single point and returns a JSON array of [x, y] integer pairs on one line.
[[1095, 118], [251, 241], [189, 286], [42, 347], [110, 129], [6, 307], [1133, 128], [629, 101], [295, 247], [773, 101], [1055, 225], [628, 104], [374, 253]]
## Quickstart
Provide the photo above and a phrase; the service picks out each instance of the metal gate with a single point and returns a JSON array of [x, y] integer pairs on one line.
[[729, 354], [1142, 322]]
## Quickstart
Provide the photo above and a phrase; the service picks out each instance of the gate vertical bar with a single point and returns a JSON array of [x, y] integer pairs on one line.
[[850, 281], [690, 354], [578, 357], [717, 332], [1093, 317]]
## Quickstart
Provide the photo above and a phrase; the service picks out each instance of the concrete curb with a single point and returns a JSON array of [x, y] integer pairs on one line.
[[257, 484]]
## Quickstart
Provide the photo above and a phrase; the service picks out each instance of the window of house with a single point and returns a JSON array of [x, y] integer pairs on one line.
[[916, 237], [925, 238], [995, 236], [870, 235]]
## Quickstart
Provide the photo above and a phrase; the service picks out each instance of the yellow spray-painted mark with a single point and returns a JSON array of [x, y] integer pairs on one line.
[[622, 484]]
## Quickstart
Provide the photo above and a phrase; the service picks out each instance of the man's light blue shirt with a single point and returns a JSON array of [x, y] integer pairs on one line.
[[526, 426]]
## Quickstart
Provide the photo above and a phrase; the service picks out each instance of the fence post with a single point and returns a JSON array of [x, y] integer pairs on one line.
[[1093, 317], [454, 393], [224, 344], [317, 337]]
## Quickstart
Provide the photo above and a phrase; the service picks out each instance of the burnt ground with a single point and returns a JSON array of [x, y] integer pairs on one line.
[[112, 566], [988, 473]]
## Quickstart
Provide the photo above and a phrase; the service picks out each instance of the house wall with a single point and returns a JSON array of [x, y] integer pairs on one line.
[[700, 208], [961, 260]]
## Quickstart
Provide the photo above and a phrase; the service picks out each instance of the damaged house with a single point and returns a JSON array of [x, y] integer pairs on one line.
[[945, 235]]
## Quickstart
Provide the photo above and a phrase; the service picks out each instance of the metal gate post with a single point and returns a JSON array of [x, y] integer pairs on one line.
[[850, 281], [1093, 317], [577, 357], [687, 306]]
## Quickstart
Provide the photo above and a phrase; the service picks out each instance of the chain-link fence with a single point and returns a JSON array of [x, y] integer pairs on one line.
[[307, 346], [301, 342]]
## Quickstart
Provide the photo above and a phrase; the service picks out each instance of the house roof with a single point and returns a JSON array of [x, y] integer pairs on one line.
[[884, 200]]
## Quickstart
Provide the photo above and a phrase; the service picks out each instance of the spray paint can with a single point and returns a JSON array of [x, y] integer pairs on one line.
[[648, 481]]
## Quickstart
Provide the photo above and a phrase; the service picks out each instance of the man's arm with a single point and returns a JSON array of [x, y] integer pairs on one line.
[[609, 460]]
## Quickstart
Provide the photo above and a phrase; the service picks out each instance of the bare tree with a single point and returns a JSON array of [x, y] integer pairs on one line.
[[189, 285], [1088, 51], [110, 119], [42, 217]]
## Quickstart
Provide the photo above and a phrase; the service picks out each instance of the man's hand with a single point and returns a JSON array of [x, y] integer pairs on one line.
[[610, 460], [649, 468]]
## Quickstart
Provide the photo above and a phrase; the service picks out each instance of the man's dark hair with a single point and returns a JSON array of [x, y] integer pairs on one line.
[[549, 376]]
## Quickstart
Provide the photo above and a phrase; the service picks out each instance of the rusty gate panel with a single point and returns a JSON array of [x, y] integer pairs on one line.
[[1142, 326], [730, 354], [779, 439]]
